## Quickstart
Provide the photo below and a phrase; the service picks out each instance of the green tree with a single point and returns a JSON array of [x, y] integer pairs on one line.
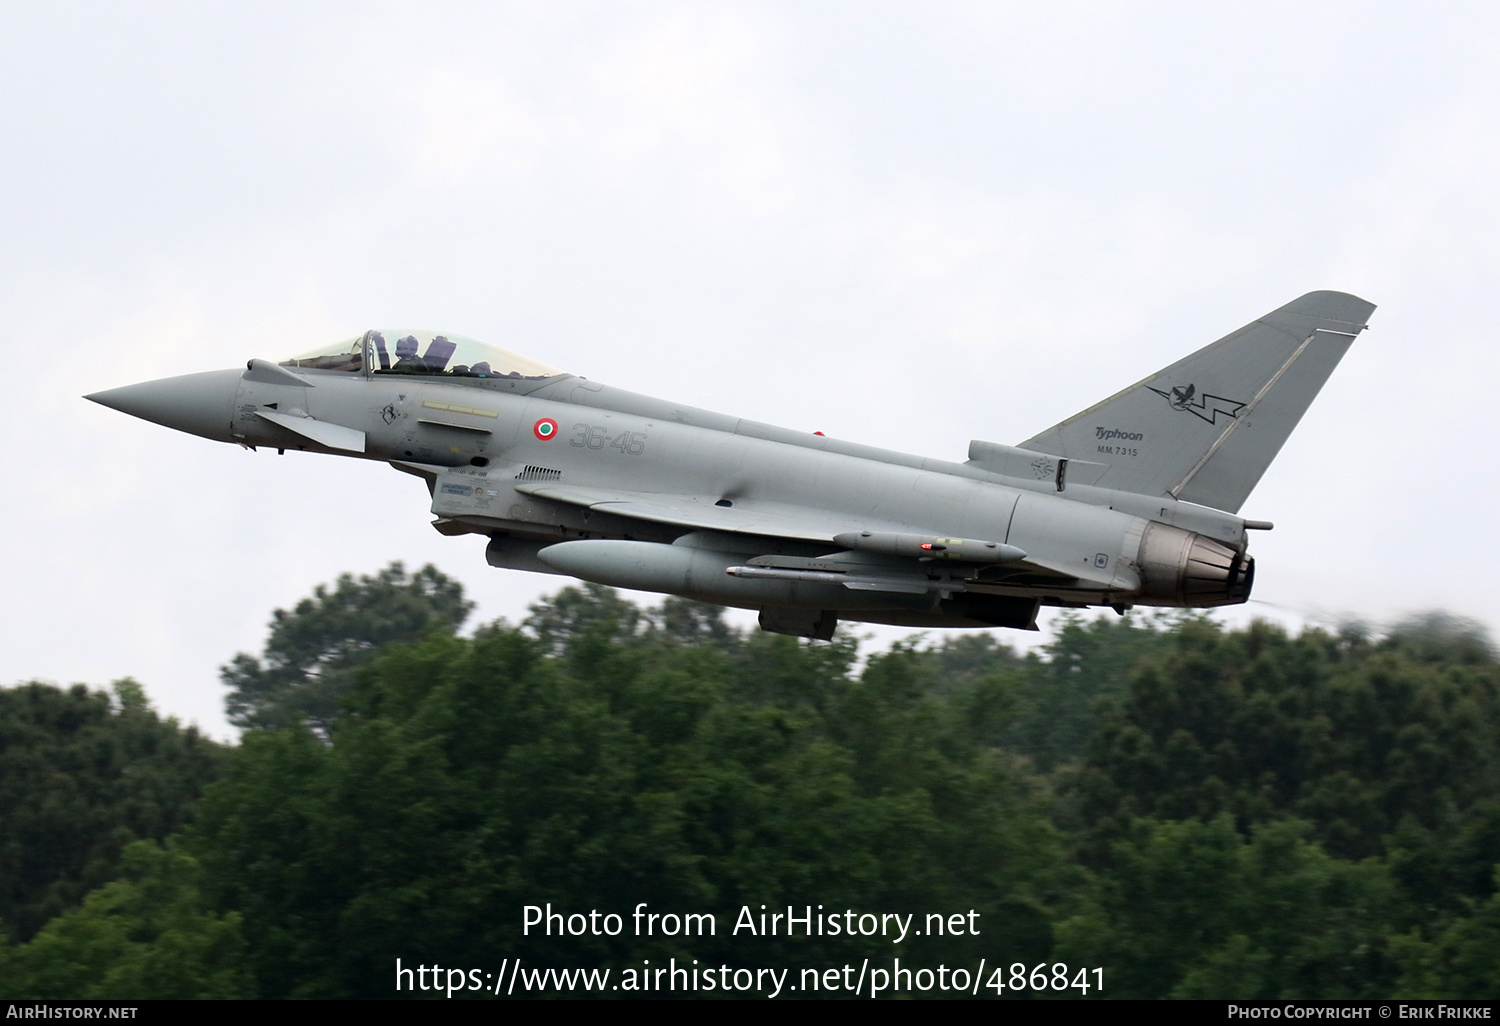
[[1197, 909], [1081, 673], [82, 774], [145, 936], [687, 622], [313, 651], [1357, 738], [595, 767], [1462, 961]]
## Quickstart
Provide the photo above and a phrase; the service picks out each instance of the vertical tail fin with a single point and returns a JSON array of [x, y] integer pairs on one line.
[[1206, 428]]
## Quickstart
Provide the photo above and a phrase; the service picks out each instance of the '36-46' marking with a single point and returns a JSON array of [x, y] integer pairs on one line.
[[596, 436]]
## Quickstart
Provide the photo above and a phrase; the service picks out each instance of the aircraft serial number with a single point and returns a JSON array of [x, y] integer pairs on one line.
[[1118, 450], [596, 436]]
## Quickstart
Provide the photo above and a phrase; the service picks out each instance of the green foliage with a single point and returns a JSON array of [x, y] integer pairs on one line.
[[1196, 909], [81, 776], [1082, 672], [1439, 637], [580, 767], [567, 621], [145, 936], [1358, 739], [1201, 812], [575, 614], [313, 651], [1463, 961]]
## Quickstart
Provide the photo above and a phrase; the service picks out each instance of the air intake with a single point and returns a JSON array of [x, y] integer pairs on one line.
[[532, 473]]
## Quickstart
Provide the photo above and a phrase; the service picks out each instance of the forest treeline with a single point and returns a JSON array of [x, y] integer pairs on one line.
[[1202, 812]]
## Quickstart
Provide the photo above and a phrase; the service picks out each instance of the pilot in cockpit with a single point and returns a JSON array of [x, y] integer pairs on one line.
[[451, 356], [406, 354]]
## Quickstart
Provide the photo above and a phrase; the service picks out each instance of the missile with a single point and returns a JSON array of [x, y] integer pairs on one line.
[[924, 546], [903, 584]]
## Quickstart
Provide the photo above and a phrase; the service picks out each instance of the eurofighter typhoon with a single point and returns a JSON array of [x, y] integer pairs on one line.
[[1134, 501]]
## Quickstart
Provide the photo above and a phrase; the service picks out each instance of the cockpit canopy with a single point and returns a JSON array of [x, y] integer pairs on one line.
[[404, 351]]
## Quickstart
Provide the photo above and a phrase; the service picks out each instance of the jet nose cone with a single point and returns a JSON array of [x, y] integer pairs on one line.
[[200, 404]]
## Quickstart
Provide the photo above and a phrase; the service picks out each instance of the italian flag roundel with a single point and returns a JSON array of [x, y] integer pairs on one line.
[[545, 428]]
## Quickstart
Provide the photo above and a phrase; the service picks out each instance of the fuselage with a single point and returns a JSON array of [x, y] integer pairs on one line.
[[535, 463]]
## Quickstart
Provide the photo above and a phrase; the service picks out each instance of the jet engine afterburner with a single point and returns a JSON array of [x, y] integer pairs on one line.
[[1180, 568]]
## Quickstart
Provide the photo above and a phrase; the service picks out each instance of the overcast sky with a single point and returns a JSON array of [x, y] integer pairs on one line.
[[903, 224]]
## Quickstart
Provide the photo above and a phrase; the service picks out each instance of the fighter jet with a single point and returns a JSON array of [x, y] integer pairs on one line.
[[1134, 501]]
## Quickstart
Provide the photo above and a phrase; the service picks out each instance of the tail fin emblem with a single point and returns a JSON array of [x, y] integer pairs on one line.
[[1204, 407]]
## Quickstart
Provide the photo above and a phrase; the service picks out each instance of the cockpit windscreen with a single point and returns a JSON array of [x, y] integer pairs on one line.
[[405, 351], [347, 355]]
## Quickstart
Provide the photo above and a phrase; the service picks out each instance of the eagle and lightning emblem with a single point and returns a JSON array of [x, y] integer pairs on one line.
[[1204, 407]]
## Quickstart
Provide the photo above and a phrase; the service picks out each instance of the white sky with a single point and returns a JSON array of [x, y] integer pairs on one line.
[[904, 224]]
